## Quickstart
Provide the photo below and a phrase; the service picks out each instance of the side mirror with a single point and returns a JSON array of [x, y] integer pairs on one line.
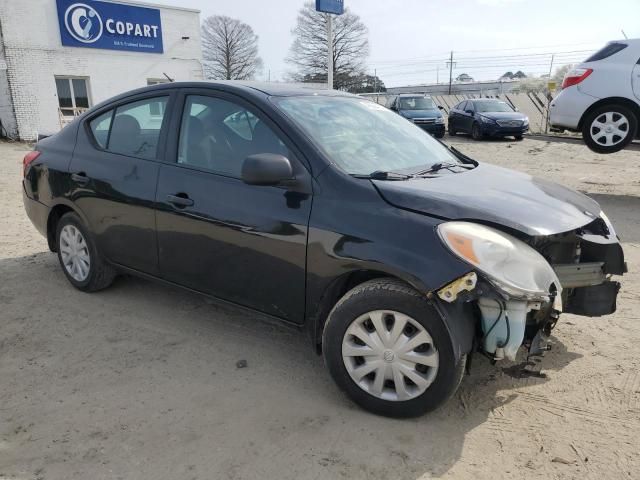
[[266, 169], [470, 112], [440, 107]]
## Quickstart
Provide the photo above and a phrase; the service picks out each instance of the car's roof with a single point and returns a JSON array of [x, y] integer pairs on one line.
[[266, 88], [414, 95], [255, 89]]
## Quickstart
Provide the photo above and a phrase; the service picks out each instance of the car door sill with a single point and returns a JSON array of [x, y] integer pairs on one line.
[[266, 317]]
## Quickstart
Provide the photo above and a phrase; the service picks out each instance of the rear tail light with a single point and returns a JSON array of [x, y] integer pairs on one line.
[[575, 76], [28, 158]]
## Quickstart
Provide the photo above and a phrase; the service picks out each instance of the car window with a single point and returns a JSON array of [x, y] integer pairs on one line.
[[362, 137], [470, 106], [416, 103], [607, 51], [218, 135], [100, 128], [242, 123], [483, 106], [135, 129], [461, 106]]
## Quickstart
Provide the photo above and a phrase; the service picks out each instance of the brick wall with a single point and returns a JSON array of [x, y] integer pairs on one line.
[[35, 55]]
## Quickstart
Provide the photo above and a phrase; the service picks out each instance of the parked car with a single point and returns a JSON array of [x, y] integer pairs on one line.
[[601, 98], [399, 256], [421, 110], [487, 117]]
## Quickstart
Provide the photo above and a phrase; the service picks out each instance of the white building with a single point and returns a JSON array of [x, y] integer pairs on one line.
[[60, 57]]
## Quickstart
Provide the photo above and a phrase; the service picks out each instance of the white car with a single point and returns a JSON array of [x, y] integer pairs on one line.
[[601, 97]]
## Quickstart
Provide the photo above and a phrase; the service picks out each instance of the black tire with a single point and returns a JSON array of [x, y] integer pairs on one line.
[[518, 137], [616, 110], [452, 131], [101, 274], [390, 294], [476, 134], [439, 135]]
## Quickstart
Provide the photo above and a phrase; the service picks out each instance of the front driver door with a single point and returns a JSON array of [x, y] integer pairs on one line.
[[216, 234]]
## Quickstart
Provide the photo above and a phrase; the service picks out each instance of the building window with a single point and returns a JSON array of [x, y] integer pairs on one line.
[[73, 95]]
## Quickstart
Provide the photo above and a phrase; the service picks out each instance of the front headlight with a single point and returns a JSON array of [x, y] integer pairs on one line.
[[525, 123], [439, 119], [510, 264], [486, 119]]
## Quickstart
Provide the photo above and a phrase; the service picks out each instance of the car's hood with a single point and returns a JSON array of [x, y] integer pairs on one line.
[[494, 195], [432, 113], [504, 115]]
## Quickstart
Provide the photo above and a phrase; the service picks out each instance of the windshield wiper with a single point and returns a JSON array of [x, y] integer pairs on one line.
[[439, 166], [384, 175]]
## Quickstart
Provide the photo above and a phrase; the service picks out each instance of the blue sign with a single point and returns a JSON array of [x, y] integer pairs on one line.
[[111, 26], [330, 6]]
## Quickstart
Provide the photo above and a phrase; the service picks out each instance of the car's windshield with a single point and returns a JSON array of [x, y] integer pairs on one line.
[[362, 137], [491, 106], [416, 103]]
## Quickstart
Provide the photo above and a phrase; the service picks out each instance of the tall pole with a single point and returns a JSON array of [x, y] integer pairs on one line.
[[551, 65], [438, 74], [330, 49], [450, 62]]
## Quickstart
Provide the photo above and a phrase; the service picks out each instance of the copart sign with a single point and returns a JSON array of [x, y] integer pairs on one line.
[[111, 26]]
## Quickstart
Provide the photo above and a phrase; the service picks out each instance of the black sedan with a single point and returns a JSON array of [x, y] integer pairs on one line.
[[400, 257], [487, 118]]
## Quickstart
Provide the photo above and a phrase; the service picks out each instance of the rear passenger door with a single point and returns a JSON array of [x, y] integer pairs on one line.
[[218, 235], [114, 173]]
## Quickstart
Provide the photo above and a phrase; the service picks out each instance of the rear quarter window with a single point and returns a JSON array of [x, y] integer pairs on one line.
[[100, 128], [607, 51]]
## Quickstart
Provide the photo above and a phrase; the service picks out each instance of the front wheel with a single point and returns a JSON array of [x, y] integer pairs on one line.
[[78, 256], [452, 131], [439, 135], [518, 137], [389, 350], [610, 128]]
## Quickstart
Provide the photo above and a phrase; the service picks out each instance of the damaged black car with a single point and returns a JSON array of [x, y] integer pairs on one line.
[[399, 256]]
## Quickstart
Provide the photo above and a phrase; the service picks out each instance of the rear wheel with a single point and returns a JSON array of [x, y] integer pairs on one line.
[[609, 128], [389, 350], [476, 134], [78, 256]]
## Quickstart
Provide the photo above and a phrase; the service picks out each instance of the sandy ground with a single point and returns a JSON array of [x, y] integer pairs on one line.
[[140, 381]]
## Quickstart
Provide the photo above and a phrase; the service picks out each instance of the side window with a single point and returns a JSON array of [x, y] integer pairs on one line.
[[242, 123], [470, 106], [100, 128], [218, 135], [461, 106], [135, 128]]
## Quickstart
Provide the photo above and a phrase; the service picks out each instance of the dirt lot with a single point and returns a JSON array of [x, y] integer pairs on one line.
[[140, 381]]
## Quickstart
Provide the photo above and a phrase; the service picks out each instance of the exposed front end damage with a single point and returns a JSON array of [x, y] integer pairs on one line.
[[515, 307]]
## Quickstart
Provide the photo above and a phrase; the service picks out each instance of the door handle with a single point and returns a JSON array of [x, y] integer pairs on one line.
[[180, 200], [80, 178]]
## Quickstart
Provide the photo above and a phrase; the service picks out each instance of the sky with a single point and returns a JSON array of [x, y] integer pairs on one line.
[[411, 40]]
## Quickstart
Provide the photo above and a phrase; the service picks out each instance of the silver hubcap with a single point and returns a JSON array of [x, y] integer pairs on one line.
[[390, 355], [609, 129], [75, 253]]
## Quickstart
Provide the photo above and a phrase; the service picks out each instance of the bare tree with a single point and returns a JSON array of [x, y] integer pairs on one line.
[[558, 76], [309, 51], [229, 49]]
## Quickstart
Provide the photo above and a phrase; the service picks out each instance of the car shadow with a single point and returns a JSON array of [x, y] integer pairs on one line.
[[185, 381]]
